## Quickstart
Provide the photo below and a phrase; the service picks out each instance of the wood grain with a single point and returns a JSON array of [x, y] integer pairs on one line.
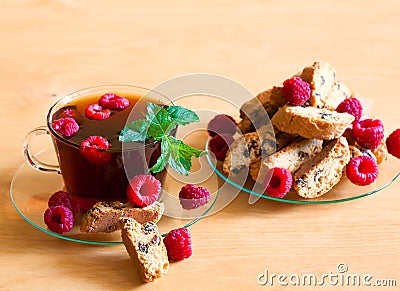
[[49, 48]]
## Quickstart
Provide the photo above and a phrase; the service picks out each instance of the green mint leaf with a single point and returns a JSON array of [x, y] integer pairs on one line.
[[163, 158], [181, 115], [134, 131], [160, 122]]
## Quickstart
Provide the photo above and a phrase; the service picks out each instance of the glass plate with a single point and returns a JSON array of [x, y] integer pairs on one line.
[[30, 190], [389, 171]]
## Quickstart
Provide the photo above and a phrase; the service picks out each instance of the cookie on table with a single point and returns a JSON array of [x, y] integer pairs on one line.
[[290, 157], [319, 174], [321, 77], [311, 122], [146, 248], [104, 216]]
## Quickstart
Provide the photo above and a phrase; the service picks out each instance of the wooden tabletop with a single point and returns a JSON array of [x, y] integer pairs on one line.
[[50, 48]]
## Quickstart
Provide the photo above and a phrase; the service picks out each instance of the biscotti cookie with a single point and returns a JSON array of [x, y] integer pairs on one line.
[[145, 247], [290, 157], [356, 151], [247, 148], [311, 122], [104, 216], [321, 77], [318, 175], [381, 152], [337, 95]]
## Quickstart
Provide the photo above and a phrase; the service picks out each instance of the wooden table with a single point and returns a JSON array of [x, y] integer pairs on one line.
[[50, 48]]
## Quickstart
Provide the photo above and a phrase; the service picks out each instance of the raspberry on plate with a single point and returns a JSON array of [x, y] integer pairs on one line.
[[278, 182], [296, 91], [192, 197], [393, 143], [362, 170], [92, 149], [220, 124], [219, 145], [368, 133], [67, 127], [97, 112], [143, 190], [352, 106], [113, 102], [59, 219], [63, 198], [178, 243]]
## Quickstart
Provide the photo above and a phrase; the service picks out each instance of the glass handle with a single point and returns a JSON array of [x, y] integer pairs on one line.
[[30, 158]]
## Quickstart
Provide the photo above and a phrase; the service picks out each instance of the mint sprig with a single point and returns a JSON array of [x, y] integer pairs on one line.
[[159, 123]]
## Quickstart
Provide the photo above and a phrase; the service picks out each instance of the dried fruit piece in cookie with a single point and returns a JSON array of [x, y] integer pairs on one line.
[[113, 102], [362, 170], [143, 190], [192, 197], [59, 219], [93, 150], [368, 133], [278, 182], [296, 91], [393, 143], [179, 244], [67, 126]]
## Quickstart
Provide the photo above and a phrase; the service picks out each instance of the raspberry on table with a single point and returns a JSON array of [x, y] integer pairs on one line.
[[67, 127], [362, 170], [278, 182], [178, 243], [352, 106], [221, 123], [63, 198], [93, 150], [219, 145], [368, 133], [113, 102], [296, 91], [192, 197], [59, 219], [97, 112], [143, 190], [393, 143]]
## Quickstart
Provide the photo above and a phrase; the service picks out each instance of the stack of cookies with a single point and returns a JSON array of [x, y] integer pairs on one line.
[[310, 137]]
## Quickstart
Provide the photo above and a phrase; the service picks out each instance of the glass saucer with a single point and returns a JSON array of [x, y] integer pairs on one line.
[[389, 171], [30, 190]]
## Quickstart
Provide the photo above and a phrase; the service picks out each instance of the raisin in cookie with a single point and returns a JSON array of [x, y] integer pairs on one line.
[[311, 122], [321, 77], [104, 216], [145, 247], [290, 157], [318, 175]]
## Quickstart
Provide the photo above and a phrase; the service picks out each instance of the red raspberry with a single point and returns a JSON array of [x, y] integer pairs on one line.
[[113, 102], [280, 182], [143, 190], [296, 91], [59, 219], [219, 145], [352, 106], [368, 133], [362, 170], [96, 112], [192, 197], [67, 127], [92, 149], [393, 143], [63, 198], [220, 124], [179, 244]]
